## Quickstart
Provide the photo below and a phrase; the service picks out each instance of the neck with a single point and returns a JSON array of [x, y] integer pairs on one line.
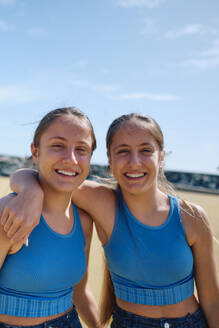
[[146, 203], [55, 201]]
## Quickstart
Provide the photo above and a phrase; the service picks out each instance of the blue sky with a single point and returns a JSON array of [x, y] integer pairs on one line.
[[110, 57]]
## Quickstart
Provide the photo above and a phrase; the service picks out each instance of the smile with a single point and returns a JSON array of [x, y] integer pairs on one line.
[[135, 175], [67, 173]]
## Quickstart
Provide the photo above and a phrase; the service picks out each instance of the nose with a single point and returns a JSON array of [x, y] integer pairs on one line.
[[70, 157], [134, 159]]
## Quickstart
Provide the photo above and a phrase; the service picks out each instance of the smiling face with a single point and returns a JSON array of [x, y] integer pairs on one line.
[[64, 153], [135, 157]]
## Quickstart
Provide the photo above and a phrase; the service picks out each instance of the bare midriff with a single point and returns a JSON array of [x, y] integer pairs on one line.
[[22, 321], [190, 305]]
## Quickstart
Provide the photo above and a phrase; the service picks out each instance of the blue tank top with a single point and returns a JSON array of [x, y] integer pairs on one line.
[[149, 265], [38, 280]]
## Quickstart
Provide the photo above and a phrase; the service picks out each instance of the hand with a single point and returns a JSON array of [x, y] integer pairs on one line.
[[20, 215]]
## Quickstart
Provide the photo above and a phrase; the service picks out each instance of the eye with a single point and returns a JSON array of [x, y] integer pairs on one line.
[[57, 146], [122, 151], [146, 150], [82, 150]]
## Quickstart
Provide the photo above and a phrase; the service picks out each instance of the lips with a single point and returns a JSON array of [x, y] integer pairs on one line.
[[67, 173]]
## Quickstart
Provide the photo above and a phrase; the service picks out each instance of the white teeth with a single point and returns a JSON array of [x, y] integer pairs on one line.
[[70, 174], [134, 175]]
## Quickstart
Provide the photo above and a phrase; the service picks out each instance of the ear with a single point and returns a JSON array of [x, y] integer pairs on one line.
[[35, 153], [162, 157], [109, 168]]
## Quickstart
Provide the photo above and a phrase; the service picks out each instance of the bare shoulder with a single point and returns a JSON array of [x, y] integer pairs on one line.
[[195, 221], [97, 189], [97, 199]]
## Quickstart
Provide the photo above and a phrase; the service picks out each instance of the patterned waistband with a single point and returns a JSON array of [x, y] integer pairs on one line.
[[67, 317], [27, 306], [151, 296]]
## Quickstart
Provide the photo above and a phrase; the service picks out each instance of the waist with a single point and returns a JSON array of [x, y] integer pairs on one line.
[[189, 305], [13, 303], [129, 319], [155, 296], [68, 316]]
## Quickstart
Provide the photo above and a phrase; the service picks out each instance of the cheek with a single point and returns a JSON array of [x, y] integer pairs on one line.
[[85, 161]]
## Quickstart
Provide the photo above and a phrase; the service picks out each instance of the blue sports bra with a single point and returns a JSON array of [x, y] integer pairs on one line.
[[39, 279], [150, 265]]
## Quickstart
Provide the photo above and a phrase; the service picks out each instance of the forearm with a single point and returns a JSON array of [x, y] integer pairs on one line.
[[23, 212], [87, 308], [212, 315], [25, 180]]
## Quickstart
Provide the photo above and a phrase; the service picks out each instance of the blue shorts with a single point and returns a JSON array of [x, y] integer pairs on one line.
[[125, 319], [68, 320]]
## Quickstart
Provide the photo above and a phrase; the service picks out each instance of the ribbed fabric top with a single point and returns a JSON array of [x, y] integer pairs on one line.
[[38, 280], [150, 265]]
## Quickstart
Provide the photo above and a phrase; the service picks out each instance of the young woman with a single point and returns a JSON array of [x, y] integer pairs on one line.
[[43, 284], [155, 244]]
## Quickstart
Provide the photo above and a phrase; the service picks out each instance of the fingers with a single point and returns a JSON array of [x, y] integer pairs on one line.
[[19, 235], [12, 225], [4, 216]]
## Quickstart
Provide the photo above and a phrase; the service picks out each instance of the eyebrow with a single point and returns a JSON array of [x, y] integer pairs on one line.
[[65, 139], [126, 145], [57, 137]]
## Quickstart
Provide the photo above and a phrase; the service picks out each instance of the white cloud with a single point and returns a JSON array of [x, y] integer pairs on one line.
[[189, 30], [140, 3], [213, 51], [202, 63], [149, 96], [112, 89], [7, 2], [205, 59], [35, 31], [15, 94], [102, 88]]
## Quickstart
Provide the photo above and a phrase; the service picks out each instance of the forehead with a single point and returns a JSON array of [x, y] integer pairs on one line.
[[133, 130], [68, 127]]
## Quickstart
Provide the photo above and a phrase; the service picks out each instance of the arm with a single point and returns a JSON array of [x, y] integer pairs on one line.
[[99, 201], [83, 298], [21, 214], [19, 220], [5, 243], [205, 269]]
